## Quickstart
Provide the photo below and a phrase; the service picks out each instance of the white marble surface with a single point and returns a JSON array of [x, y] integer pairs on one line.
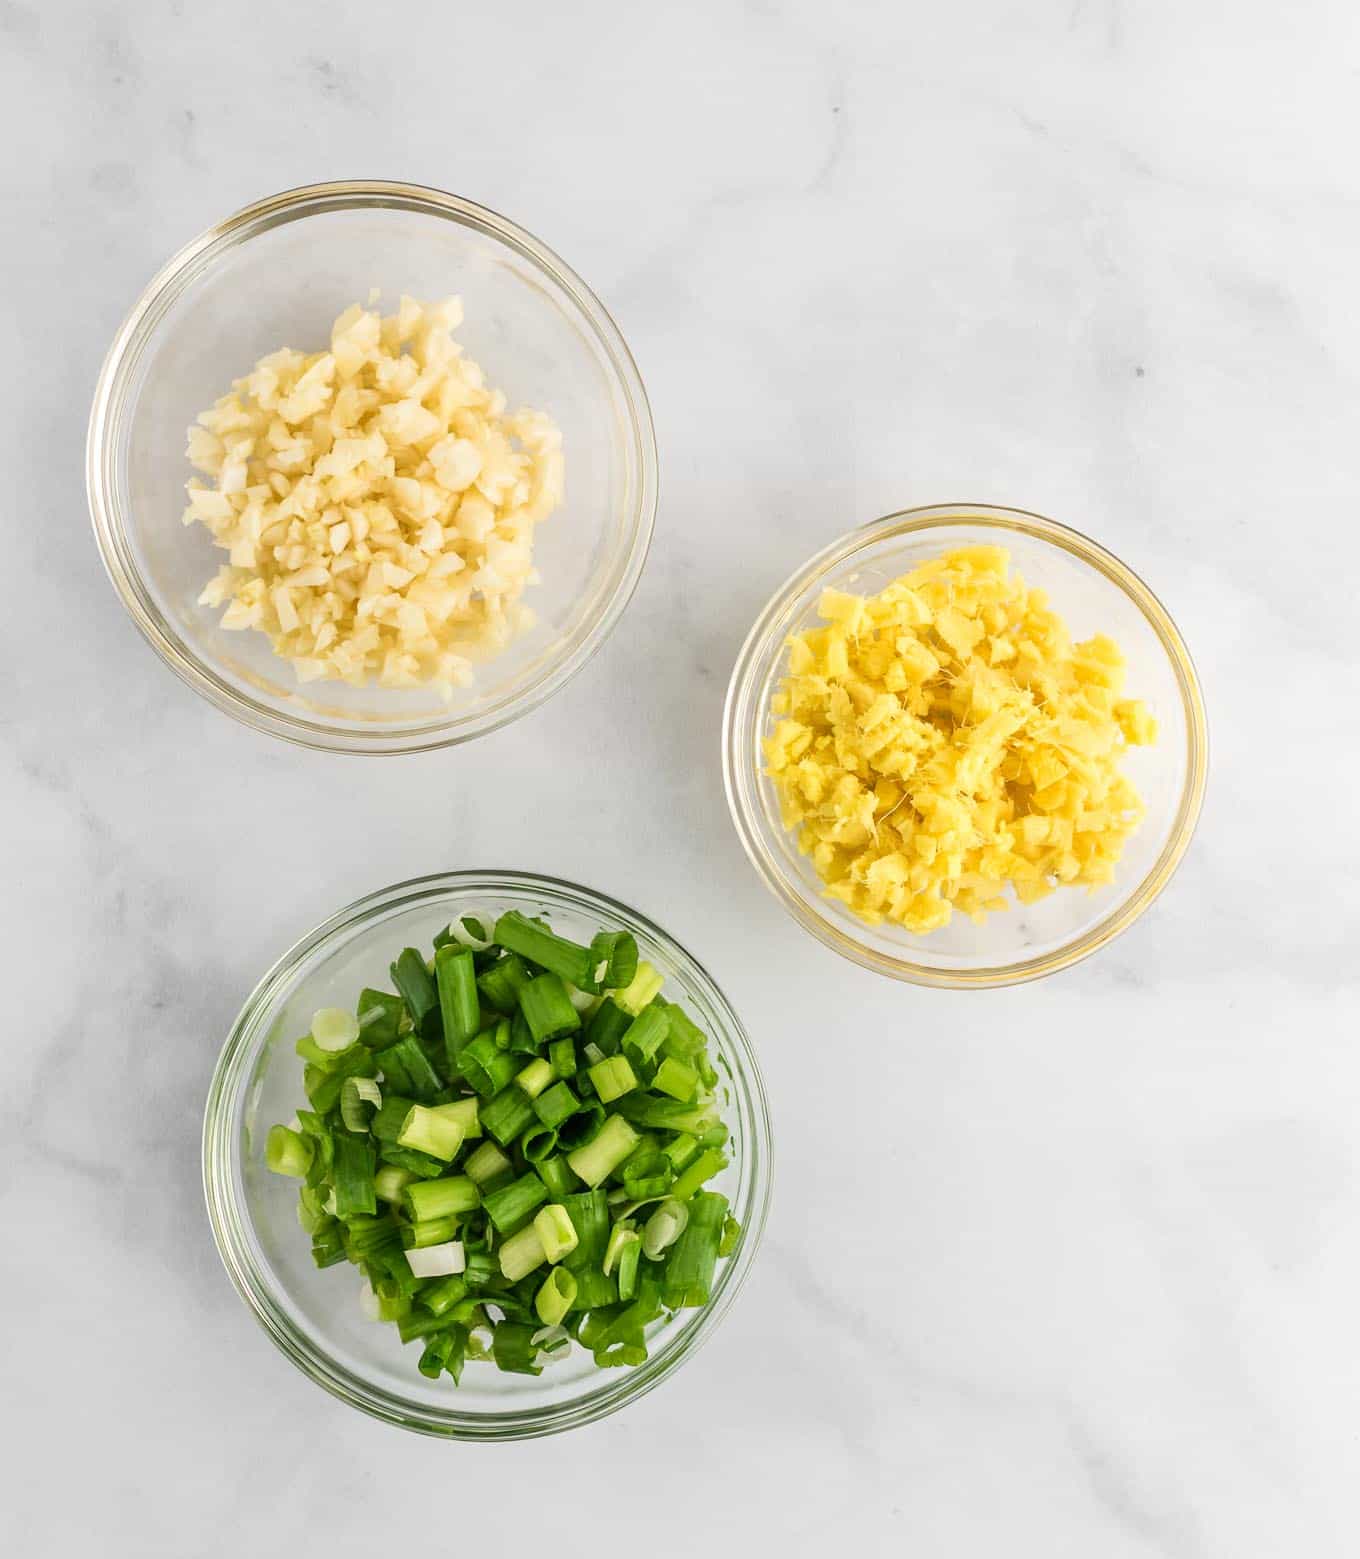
[[1084, 1279]]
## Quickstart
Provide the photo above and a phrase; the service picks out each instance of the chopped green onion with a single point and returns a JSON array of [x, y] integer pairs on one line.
[[434, 1231], [420, 1324], [481, 1269], [393, 1306], [428, 1132], [506, 1116], [355, 1165], [459, 1009], [555, 1173], [623, 1107], [343, 1060], [519, 1039], [407, 1069], [628, 1269], [555, 1104], [703, 1169], [681, 1149], [689, 1267], [314, 1128], [569, 960], [731, 1233], [607, 1026], [328, 1244], [439, 1198], [436, 1354], [334, 1029], [391, 1116], [612, 1078], [534, 1078], [643, 1037], [677, 1078], [583, 1126], [663, 1228], [485, 1065], [487, 1165], [669, 1114], [359, 1098], [512, 1347], [390, 1182], [685, 1039], [419, 1165], [553, 1342], [620, 1235], [500, 985], [642, 989], [521, 1254], [467, 1114], [379, 1014], [556, 1230], [417, 989], [555, 1297], [287, 1152], [547, 1008], [620, 1337], [436, 1261], [311, 1213], [589, 1214], [323, 1084], [444, 1295], [539, 1142], [618, 952], [512, 1206], [647, 1173], [594, 1290], [599, 1158]]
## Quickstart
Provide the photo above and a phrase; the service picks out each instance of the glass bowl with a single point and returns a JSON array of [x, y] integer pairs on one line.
[[1094, 592], [313, 1315], [277, 274]]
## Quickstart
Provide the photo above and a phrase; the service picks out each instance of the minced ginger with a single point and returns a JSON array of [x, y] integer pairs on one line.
[[377, 502], [944, 739]]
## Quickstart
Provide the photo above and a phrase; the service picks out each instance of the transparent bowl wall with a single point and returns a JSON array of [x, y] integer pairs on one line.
[[278, 274], [314, 1315], [1094, 593]]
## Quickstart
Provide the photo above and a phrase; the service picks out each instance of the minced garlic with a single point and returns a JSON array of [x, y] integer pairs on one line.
[[944, 739], [376, 501]]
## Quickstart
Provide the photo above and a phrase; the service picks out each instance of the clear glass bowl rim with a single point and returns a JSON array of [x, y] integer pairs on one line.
[[741, 759], [228, 1219], [111, 407]]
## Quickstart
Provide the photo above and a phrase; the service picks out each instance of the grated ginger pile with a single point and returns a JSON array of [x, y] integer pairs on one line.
[[376, 501], [943, 740]]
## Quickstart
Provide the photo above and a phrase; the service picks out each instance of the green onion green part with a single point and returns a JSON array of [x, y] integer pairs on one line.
[[417, 989], [613, 1077], [568, 960], [429, 1132], [487, 1166], [287, 1152], [548, 1009], [459, 1008], [512, 1206], [521, 1254], [556, 1296], [556, 1231], [601, 1156]]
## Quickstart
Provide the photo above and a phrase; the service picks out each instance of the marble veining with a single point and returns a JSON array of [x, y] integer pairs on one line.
[[1069, 1271]]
